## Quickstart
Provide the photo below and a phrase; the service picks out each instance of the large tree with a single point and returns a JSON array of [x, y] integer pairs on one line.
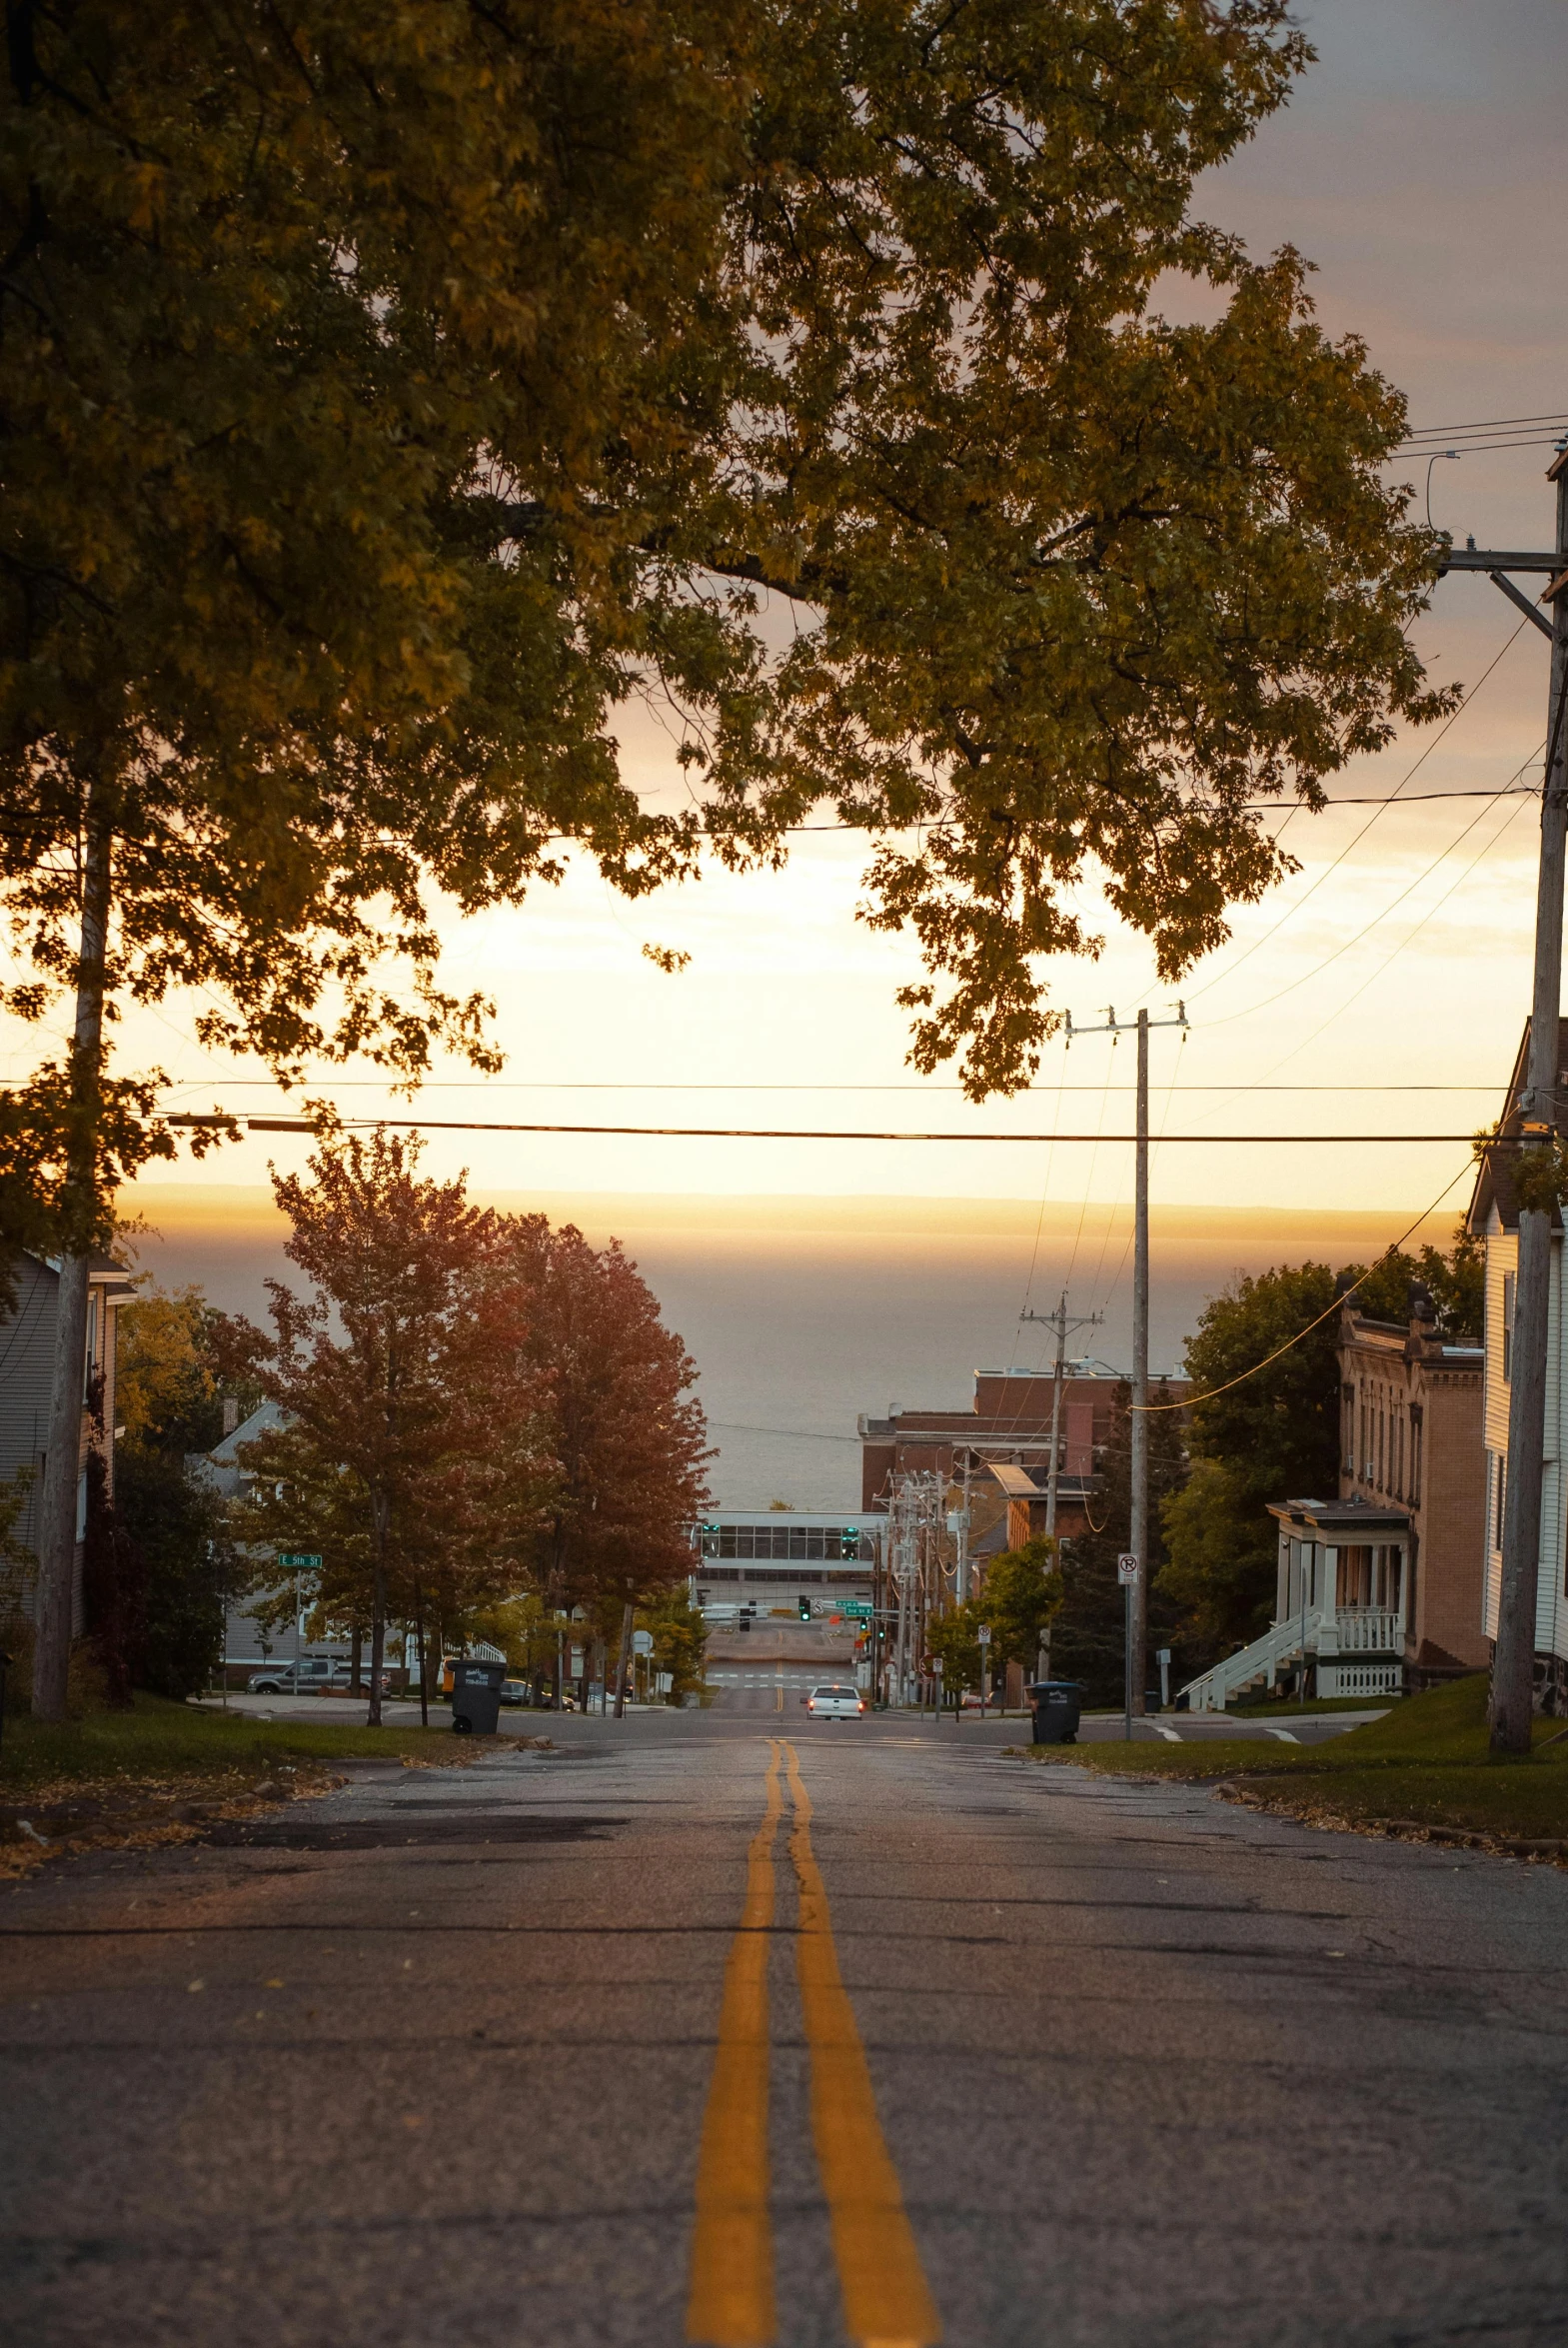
[[392, 388]]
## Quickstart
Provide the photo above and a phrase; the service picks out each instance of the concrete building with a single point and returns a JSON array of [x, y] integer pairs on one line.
[[777, 1558], [27, 1342]]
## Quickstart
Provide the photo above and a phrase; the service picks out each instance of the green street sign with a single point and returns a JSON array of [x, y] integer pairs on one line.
[[861, 1607], [296, 1561]]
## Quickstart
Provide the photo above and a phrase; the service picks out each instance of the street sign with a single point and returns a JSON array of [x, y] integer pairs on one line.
[[297, 1561], [985, 1634], [642, 1642], [860, 1607], [1127, 1567]]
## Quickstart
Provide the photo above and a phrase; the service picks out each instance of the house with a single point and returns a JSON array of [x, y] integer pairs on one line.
[[27, 1346], [1494, 1219], [1379, 1588], [248, 1644]]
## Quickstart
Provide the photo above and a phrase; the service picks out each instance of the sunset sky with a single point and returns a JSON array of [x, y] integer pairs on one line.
[[1416, 168]]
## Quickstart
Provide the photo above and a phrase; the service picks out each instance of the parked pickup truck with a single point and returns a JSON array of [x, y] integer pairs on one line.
[[311, 1676]]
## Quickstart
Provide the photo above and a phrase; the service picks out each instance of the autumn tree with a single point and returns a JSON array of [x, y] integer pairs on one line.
[[393, 390], [1018, 1601], [411, 1435], [628, 1438]]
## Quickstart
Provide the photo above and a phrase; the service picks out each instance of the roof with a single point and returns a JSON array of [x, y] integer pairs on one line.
[[1494, 1175], [1016, 1482], [1340, 1520], [261, 1421]]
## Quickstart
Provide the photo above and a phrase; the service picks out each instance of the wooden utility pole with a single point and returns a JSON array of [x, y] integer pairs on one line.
[[1138, 1542], [1058, 1321]]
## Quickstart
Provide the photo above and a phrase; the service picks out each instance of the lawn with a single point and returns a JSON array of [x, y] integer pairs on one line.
[[159, 1739], [1424, 1763]]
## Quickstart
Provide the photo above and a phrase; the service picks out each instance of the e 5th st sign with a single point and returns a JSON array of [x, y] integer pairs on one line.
[[298, 1561]]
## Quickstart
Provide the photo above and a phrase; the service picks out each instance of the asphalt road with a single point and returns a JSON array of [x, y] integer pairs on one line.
[[709, 2027]]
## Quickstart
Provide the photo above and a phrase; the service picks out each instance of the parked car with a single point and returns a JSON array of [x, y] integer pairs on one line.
[[835, 1701], [516, 1691]]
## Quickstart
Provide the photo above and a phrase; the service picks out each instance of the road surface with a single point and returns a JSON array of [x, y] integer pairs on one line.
[[728, 2028]]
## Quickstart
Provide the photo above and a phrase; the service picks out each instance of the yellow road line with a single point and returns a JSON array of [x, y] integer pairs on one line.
[[778, 1707], [887, 2301], [732, 2295]]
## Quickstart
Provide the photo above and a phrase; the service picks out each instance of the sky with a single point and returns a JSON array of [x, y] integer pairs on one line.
[[1380, 989]]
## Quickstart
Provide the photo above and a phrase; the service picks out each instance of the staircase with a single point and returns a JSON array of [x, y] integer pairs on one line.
[[1281, 1643], [1358, 1651]]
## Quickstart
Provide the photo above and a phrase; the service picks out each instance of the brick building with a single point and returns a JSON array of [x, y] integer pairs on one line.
[[1006, 1435], [1411, 1438]]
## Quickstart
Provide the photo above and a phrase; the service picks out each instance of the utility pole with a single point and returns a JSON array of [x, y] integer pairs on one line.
[[1060, 1321], [1513, 1657], [1137, 1600]]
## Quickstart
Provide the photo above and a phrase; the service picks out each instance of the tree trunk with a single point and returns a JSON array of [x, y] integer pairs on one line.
[[57, 1500], [378, 1609], [621, 1661], [424, 1659], [356, 1660]]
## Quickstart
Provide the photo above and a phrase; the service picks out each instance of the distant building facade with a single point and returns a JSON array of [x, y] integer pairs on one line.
[[1006, 1429]]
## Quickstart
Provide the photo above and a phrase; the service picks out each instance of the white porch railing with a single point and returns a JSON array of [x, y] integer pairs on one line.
[[1330, 1633]]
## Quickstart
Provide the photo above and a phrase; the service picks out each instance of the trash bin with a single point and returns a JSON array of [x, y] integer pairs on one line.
[[1058, 1703], [475, 1698]]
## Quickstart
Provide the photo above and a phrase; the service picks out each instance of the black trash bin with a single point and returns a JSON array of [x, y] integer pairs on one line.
[[1058, 1705], [475, 1698]]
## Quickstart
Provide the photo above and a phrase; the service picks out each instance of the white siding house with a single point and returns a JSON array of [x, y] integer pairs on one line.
[[1494, 1217]]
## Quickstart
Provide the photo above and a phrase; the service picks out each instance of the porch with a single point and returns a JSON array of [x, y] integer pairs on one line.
[[1340, 1600]]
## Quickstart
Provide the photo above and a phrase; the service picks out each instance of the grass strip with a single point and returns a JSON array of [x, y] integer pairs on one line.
[[1423, 1767], [160, 1740]]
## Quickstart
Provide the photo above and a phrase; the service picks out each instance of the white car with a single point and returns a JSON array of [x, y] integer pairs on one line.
[[835, 1702]]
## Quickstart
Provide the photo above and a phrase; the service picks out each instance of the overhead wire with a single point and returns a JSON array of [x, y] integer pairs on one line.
[[1196, 993], [1328, 960], [1187, 1401]]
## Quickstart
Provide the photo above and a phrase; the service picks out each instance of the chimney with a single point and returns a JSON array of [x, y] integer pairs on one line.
[[231, 1414]]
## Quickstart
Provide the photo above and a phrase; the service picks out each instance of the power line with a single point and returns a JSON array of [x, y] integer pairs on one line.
[[545, 1084], [1292, 911], [1367, 926], [1486, 423], [415, 1125]]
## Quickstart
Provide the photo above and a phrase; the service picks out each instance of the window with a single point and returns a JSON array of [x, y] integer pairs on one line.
[[1510, 1282], [1500, 1496]]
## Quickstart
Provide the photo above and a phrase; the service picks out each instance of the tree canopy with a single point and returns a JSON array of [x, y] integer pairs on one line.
[[391, 391]]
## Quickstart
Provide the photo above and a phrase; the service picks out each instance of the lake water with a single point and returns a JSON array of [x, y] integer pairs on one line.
[[803, 1313]]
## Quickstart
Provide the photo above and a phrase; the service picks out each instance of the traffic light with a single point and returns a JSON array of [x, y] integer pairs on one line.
[[805, 1610], [849, 1542]]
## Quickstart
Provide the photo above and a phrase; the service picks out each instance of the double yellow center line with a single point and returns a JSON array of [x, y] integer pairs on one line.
[[886, 2302]]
